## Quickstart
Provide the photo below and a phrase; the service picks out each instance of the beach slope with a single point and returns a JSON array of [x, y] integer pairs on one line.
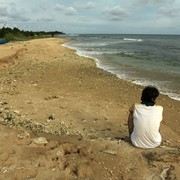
[[63, 118]]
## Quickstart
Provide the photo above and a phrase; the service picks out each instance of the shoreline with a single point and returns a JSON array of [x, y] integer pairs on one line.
[[81, 112], [96, 60], [161, 98], [138, 88]]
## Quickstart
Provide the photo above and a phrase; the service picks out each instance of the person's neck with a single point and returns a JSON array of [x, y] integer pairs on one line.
[[148, 103]]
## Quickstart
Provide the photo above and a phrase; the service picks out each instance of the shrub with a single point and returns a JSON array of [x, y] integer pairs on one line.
[[9, 36]]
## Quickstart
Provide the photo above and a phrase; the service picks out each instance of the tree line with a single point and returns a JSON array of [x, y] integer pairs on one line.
[[15, 33]]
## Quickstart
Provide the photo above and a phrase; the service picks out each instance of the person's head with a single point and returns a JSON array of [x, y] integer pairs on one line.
[[149, 94]]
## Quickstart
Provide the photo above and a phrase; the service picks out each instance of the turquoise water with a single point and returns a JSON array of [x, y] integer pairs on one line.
[[141, 59]]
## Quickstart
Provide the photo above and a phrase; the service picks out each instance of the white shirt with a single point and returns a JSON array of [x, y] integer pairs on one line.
[[146, 121]]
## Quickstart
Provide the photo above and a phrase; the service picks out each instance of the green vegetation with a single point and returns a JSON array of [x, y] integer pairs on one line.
[[17, 34]]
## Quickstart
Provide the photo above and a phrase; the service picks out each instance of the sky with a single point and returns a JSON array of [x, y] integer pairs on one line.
[[93, 17]]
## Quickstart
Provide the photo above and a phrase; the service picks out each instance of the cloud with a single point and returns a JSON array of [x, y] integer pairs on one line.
[[161, 1], [155, 1], [80, 6], [17, 15], [67, 10], [70, 11], [3, 11], [10, 13], [170, 12], [90, 5], [46, 19], [136, 16], [84, 19], [60, 7], [116, 13], [151, 2], [1, 22]]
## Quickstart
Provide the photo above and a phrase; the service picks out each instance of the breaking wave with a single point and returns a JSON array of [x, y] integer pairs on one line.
[[132, 39]]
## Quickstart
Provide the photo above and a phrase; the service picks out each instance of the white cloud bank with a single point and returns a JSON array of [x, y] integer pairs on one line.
[[81, 16]]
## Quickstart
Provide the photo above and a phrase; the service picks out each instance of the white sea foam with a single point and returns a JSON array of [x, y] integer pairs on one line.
[[172, 95], [159, 85], [119, 73], [132, 39], [68, 46], [91, 53]]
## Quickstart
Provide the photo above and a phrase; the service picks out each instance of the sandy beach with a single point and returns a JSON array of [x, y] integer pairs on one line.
[[63, 118]]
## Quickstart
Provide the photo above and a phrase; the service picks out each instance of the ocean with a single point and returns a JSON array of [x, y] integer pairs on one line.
[[142, 59]]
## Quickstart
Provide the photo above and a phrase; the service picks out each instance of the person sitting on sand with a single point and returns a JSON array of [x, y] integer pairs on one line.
[[144, 120]]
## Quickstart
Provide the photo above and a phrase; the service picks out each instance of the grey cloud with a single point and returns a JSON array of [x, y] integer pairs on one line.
[[90, 5], [84, 19], [60, 7], [67, 10], [162, 1], [18, 17], [152, 1], [2, 22], [116, 13], [3, 11], [46, 19], [43, 7], [171, 12], [10, 13], [70, 11], [85, 6]]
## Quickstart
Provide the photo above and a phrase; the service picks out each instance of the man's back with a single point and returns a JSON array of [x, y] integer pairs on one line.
[[146, 126]]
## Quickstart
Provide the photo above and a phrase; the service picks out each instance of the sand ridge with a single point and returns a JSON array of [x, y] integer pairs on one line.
[[63, 118]]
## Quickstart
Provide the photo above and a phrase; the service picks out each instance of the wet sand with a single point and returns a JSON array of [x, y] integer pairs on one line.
[[80, 112]]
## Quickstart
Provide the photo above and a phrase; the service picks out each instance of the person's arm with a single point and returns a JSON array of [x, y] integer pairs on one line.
[[130, 120]]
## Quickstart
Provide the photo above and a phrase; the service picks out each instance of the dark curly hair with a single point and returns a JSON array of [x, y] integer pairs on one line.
[[149, 94]]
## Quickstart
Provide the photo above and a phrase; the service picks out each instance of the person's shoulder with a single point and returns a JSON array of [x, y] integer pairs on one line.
[[133, 107], [137, 105], [159, 107]]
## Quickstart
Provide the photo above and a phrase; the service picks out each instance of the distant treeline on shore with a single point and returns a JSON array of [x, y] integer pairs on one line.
[[17, 34]]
